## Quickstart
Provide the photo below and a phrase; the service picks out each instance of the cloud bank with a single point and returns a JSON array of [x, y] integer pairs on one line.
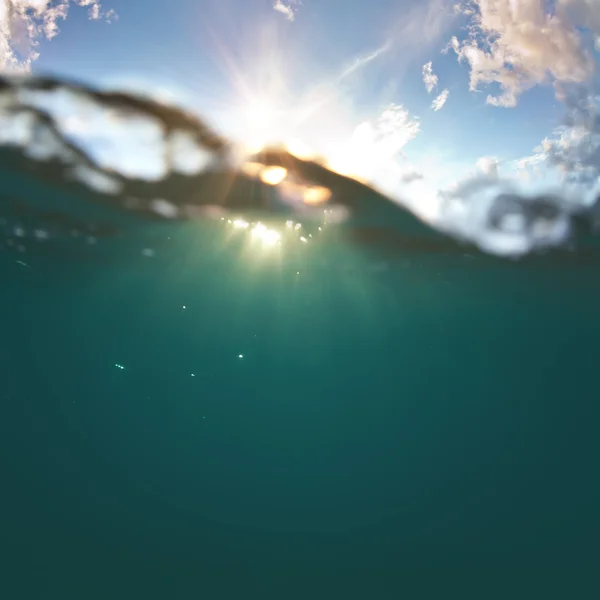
[[574, 147], [24, 22], [522, 43], [375, 152]]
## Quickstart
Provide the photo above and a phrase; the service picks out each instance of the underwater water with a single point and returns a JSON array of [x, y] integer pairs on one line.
[[194, 405]]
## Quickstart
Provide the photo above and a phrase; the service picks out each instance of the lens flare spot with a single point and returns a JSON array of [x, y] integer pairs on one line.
[[273, 175], [267, 236], [315, 195]]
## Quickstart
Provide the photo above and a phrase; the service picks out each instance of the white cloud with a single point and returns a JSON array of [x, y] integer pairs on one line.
[[286, 9], [23, 22], [440, 100], [410, 175], [376, 149], [488, 165], [522, 43], [574, 148], [362, 60], [570, 156], [429, 78]]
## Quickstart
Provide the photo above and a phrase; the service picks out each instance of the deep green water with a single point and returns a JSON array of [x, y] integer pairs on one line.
[[424, 429]]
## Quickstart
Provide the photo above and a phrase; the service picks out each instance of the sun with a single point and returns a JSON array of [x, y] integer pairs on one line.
[[261, 122]]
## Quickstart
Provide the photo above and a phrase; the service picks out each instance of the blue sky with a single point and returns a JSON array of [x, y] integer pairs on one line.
[[324, 71]]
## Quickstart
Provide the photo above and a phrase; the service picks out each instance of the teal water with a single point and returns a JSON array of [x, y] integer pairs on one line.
[[215, 419], [429, 430]]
